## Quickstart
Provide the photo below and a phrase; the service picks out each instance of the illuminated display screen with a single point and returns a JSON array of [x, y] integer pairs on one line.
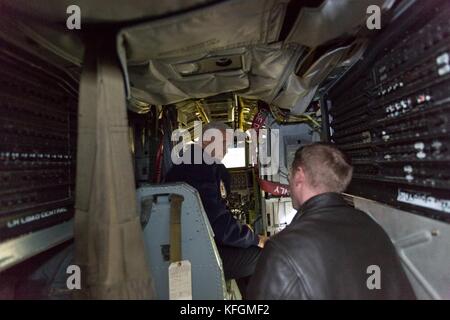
[[235, 158]]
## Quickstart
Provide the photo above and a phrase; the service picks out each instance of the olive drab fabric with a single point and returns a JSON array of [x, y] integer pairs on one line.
[[108, 236]]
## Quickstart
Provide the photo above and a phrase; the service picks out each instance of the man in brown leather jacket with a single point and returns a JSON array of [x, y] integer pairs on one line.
[[330, 250]]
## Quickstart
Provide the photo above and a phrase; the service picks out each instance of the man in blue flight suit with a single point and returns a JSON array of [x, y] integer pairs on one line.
[[238, 246]]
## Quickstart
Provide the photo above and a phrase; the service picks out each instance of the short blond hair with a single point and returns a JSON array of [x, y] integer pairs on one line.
[[326, 167]]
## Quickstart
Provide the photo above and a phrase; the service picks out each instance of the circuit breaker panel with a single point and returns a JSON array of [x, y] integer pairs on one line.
[[37, 143], [392, 116]]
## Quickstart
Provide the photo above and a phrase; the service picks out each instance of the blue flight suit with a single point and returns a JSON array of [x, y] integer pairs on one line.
[[237, 244], [206, 178]]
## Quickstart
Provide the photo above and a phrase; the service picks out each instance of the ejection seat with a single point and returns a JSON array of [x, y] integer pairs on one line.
[[196, 242]]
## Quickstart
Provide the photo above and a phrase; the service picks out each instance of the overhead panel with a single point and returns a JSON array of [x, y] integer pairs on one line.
[[229, 24]]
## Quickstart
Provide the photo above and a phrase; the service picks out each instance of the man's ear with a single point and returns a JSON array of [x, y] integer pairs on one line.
[[299, 176]]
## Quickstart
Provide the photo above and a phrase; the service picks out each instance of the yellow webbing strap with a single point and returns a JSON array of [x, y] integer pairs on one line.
[[175, 227]]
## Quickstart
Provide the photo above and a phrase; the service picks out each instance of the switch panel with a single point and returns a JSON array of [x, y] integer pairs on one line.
[[37, 144], [393, 118]]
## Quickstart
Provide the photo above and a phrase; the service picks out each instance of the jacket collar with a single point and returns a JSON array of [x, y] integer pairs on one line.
[[323, 200]]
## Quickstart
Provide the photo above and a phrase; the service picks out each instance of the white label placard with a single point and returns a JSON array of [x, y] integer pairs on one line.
[[423, 200], [180, 280]]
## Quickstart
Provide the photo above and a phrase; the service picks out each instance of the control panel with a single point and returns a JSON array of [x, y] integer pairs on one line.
[[241, 199], [394, 119], [37, 144]]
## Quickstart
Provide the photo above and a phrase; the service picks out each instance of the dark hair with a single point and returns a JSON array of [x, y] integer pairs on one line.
[[326, 167]]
